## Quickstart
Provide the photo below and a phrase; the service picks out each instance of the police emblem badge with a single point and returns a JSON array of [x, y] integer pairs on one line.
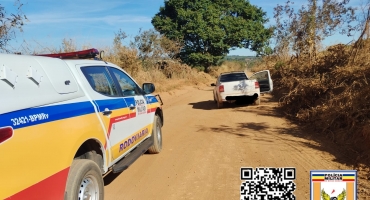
[[333, 184]]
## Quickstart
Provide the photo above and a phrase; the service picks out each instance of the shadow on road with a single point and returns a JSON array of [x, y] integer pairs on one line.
[[204, 105], [268, 107], [211, 105], [342, 153], [263, 110], [108, 179], [253, 126], [238, 130]]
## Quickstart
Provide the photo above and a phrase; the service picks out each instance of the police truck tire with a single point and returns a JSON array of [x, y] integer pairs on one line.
[[157, 136], [92, 155], [84, 181]]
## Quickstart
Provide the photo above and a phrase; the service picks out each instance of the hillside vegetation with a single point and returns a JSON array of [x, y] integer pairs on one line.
[[328, 93], [150, 57]]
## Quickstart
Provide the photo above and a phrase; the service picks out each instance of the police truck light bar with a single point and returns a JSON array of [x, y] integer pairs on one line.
[[89, 53]]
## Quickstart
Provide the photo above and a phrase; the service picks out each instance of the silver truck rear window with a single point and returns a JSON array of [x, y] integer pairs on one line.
[[233, 77]]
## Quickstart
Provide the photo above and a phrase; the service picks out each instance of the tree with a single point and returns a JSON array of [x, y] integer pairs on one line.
[[152, 45], [303, 31], [9, 23], [208, 29]]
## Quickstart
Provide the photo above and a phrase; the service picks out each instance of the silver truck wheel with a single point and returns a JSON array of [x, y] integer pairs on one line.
[[85, 181], [219, 104], [157, 136]]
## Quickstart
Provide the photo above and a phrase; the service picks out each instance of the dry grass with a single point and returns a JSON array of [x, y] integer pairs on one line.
[[163, 82], [172, 75], [166, 73], [331, 95], [166, 77], [267, 62], [226, 66]]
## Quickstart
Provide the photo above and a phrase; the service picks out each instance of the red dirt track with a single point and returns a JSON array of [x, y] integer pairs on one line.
[[205, 147]]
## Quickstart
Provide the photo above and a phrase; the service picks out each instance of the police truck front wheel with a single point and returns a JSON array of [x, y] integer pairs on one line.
[[84, 181], [157, 136]]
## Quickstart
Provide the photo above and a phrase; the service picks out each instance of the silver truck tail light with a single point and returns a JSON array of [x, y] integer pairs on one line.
[[5, 134], [256, 85], [221, 88]]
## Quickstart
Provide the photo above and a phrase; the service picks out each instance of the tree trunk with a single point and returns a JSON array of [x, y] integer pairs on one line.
[[312, 31]]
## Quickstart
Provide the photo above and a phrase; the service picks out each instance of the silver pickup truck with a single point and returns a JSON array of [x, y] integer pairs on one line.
[[237, 87]]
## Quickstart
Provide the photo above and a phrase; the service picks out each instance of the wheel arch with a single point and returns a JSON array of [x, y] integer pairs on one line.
[[87, 149], [159, 112]]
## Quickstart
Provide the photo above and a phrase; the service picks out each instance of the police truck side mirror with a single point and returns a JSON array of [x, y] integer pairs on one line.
[[148, 88]]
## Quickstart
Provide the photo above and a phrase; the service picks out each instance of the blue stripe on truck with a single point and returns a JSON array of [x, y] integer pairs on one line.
[[39, 115]]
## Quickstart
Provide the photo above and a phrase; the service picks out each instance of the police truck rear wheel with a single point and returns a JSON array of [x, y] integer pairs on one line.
[[84, 181], [157, 136]]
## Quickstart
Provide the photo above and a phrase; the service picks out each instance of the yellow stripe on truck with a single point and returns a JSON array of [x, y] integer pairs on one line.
[[37, 152], [129, 142]]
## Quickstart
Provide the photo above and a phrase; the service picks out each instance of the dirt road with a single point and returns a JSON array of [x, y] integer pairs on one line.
[[204, 148]]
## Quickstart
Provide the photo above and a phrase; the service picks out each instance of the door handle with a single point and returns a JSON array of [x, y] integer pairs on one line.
[[132, 107], [107, 112]]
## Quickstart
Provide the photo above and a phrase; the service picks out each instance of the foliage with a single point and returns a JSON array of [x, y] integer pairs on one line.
[[9, 23], [302, 31], [364, 29], [330, 96], [142, 57], [68, 45], [209, 29], [226, 66], [125, 57], [153, 48], [327, 92], [151, 44]]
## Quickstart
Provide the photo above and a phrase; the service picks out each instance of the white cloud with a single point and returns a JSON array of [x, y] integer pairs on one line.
[[60, 18]]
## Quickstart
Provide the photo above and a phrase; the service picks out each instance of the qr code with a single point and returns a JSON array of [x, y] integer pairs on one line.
[[267, 183]]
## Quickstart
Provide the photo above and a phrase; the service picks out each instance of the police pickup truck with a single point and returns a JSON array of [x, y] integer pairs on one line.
[[65, 123]]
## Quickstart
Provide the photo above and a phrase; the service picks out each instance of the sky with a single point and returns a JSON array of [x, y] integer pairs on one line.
[[94, 23]]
